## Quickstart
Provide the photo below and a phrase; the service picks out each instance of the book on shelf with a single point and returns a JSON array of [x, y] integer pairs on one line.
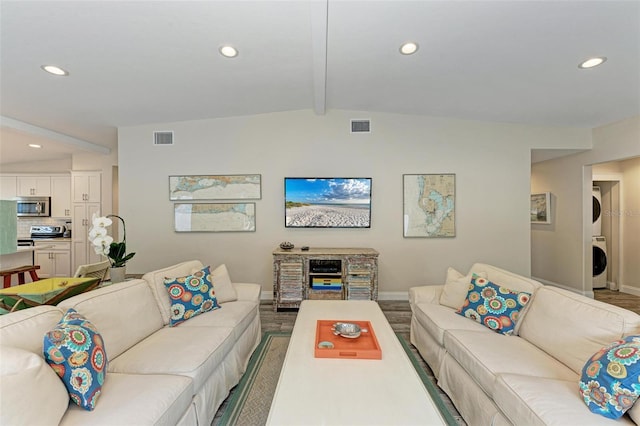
[[326, 281], [327, 287]]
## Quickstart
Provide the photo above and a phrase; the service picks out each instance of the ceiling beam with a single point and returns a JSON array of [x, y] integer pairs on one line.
[[50, 134], [319, 23]]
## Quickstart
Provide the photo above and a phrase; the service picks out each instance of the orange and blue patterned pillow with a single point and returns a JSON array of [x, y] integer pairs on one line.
[[609, 382], [494, 306], [75, 351], [191, 295]]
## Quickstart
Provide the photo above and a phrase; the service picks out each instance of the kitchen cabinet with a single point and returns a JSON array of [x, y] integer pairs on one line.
[[86, 195], [81, 247], [29, 186], [54, 258], [86, 187], [60, 196], [7, 187]]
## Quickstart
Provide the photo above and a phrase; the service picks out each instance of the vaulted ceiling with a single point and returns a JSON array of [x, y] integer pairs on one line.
[[138, 62]]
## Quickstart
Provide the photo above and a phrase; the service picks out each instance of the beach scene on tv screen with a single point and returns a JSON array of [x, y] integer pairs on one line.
[[327, 202]]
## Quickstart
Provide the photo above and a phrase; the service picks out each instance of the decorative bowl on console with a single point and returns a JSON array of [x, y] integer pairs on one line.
[[286, 245]]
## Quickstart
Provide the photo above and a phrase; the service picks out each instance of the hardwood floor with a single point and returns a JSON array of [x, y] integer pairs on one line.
[[623, 300]]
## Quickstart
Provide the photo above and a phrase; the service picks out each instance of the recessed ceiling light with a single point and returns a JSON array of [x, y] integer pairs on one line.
[[52, 69], [35, 145], [228, 51], [592, 62], [409, 48]]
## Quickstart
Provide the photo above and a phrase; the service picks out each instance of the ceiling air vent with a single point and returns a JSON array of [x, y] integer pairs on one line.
[[360, 126], [163, 138]]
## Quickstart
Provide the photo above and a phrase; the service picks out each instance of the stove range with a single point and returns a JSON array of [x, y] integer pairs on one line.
[[47, 231]]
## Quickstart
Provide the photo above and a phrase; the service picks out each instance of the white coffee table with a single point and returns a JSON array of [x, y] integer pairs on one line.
[[330, 391]]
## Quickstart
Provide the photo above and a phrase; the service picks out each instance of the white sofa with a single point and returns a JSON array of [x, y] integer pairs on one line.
[[530, 378], [157, 375]]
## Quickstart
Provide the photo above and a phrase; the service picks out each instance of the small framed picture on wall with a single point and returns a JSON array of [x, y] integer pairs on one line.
[[541, 208]]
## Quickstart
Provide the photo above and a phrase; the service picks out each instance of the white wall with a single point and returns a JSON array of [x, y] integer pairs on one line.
[[561, 252], [630, 218], [491, 162]]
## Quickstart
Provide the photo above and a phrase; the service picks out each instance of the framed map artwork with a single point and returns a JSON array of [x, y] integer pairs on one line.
[[215, 217], [429, 205], [541, 208], [215, 187]]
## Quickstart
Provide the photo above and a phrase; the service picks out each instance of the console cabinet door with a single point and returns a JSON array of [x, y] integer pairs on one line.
[[288, 281]]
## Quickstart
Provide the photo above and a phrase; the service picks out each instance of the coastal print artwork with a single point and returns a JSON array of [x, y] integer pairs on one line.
[[215, 217], [429, 205], [215, 187], [540, 208], [327, 202]]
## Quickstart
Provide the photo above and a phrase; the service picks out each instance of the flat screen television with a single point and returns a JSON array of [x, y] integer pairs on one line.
[[327, 202]]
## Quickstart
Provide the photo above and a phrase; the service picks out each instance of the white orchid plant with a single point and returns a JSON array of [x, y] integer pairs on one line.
[[103, 244]]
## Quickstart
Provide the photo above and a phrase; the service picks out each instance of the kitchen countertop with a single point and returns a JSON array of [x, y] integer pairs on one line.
[[51, 240]]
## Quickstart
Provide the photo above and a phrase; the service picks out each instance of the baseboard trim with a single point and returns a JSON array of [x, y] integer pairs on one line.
[[383, 295], [574, 290], [393, 295], [630, 290]]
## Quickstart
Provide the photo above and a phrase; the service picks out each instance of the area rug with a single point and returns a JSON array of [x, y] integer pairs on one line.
[[250, 401]]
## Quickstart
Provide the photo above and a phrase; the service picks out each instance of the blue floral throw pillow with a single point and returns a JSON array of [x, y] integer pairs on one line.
[[609, 383], [75, 351], [493, 306], [190, 296]]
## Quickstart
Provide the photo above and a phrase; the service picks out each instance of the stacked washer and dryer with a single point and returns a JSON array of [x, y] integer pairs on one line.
[[600, 260]]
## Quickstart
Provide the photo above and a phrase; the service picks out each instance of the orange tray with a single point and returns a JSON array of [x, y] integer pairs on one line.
[[364, 347]]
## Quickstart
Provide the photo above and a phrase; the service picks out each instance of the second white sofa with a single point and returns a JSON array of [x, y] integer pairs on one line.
[[530, 378]]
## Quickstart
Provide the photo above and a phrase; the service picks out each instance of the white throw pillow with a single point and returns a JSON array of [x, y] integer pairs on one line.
[[32, 393], [225, 291], [456, 288]]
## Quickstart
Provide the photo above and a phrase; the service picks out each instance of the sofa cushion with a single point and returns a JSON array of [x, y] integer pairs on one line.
[[75, 351], [436, 319], [26, 379], [224, 289], [125, 313], [485, 355], [156, 282], [493, 306], [191, 295], [238, 315], [24, 329], [188, 351], [609, 381], [533, 401], [456, 288], [131, 399], [505, 278], [581, 326]]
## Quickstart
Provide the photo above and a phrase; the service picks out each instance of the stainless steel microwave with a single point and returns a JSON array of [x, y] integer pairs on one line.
[[33, 206]]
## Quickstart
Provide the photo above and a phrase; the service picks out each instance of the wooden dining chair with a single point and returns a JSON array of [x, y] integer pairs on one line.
[[97, 270]]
